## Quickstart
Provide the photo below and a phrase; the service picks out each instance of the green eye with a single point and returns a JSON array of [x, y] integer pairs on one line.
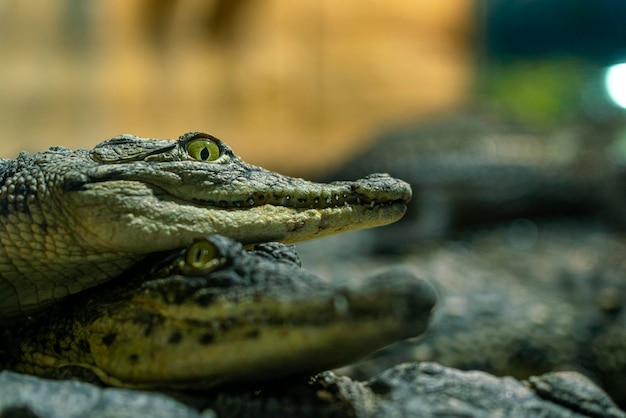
[[203, 256], [203, 149]]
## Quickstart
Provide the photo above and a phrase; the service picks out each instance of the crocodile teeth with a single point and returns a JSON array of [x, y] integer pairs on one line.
[[335, 200]]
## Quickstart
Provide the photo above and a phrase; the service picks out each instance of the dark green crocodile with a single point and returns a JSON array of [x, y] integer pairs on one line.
[[217, 313], [70, 220]]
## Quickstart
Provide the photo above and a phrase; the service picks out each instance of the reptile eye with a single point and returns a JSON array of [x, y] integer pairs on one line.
[[203, 149], [203, 256]]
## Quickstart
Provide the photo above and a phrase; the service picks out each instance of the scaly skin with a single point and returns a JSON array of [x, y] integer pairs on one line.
[[220, 314], [72, 219]]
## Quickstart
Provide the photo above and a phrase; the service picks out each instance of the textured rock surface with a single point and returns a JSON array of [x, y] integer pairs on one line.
[[408, 390], [28, 396], [431, 390]]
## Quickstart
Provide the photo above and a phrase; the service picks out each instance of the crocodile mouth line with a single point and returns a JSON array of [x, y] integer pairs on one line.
[[335, 201]]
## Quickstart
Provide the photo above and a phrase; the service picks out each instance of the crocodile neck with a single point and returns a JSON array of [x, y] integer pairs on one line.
[[72, 219]]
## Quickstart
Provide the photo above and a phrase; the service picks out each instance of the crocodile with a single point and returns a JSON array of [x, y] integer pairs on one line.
[[216, 313], [472, 169], [70, 220]]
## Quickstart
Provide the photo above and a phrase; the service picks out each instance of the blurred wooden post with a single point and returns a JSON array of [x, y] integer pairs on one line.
[[295, 86]]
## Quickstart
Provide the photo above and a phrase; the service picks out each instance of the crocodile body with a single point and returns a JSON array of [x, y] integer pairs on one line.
[[70, 220], [215, 314]]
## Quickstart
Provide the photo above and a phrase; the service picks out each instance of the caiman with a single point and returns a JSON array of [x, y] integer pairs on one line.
[[216, 313], [70, 220]]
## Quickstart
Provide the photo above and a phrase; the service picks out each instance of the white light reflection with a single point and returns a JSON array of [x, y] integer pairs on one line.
[[615, 83]]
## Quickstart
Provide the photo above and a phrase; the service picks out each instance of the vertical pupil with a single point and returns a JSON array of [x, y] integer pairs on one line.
[[199, 255], [205, 153]]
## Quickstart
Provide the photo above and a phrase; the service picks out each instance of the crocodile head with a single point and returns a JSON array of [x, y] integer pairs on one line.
[[72, 219], [216, 313], [152, 195]]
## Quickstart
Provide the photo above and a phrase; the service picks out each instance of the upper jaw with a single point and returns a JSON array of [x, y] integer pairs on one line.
[[374, 190], [239, 186]]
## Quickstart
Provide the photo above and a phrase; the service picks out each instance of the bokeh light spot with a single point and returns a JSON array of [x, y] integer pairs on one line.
[[615, 82]]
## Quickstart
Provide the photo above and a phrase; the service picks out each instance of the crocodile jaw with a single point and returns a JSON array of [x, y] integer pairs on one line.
[[270, 336], [138, 218]]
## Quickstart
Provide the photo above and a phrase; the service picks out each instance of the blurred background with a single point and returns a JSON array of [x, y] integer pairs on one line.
[[296, 86]]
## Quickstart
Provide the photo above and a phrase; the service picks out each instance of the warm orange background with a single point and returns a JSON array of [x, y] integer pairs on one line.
[[291, 85]]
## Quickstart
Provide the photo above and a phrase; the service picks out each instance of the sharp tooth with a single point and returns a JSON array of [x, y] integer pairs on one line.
[[372, 203], [358, 200]]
